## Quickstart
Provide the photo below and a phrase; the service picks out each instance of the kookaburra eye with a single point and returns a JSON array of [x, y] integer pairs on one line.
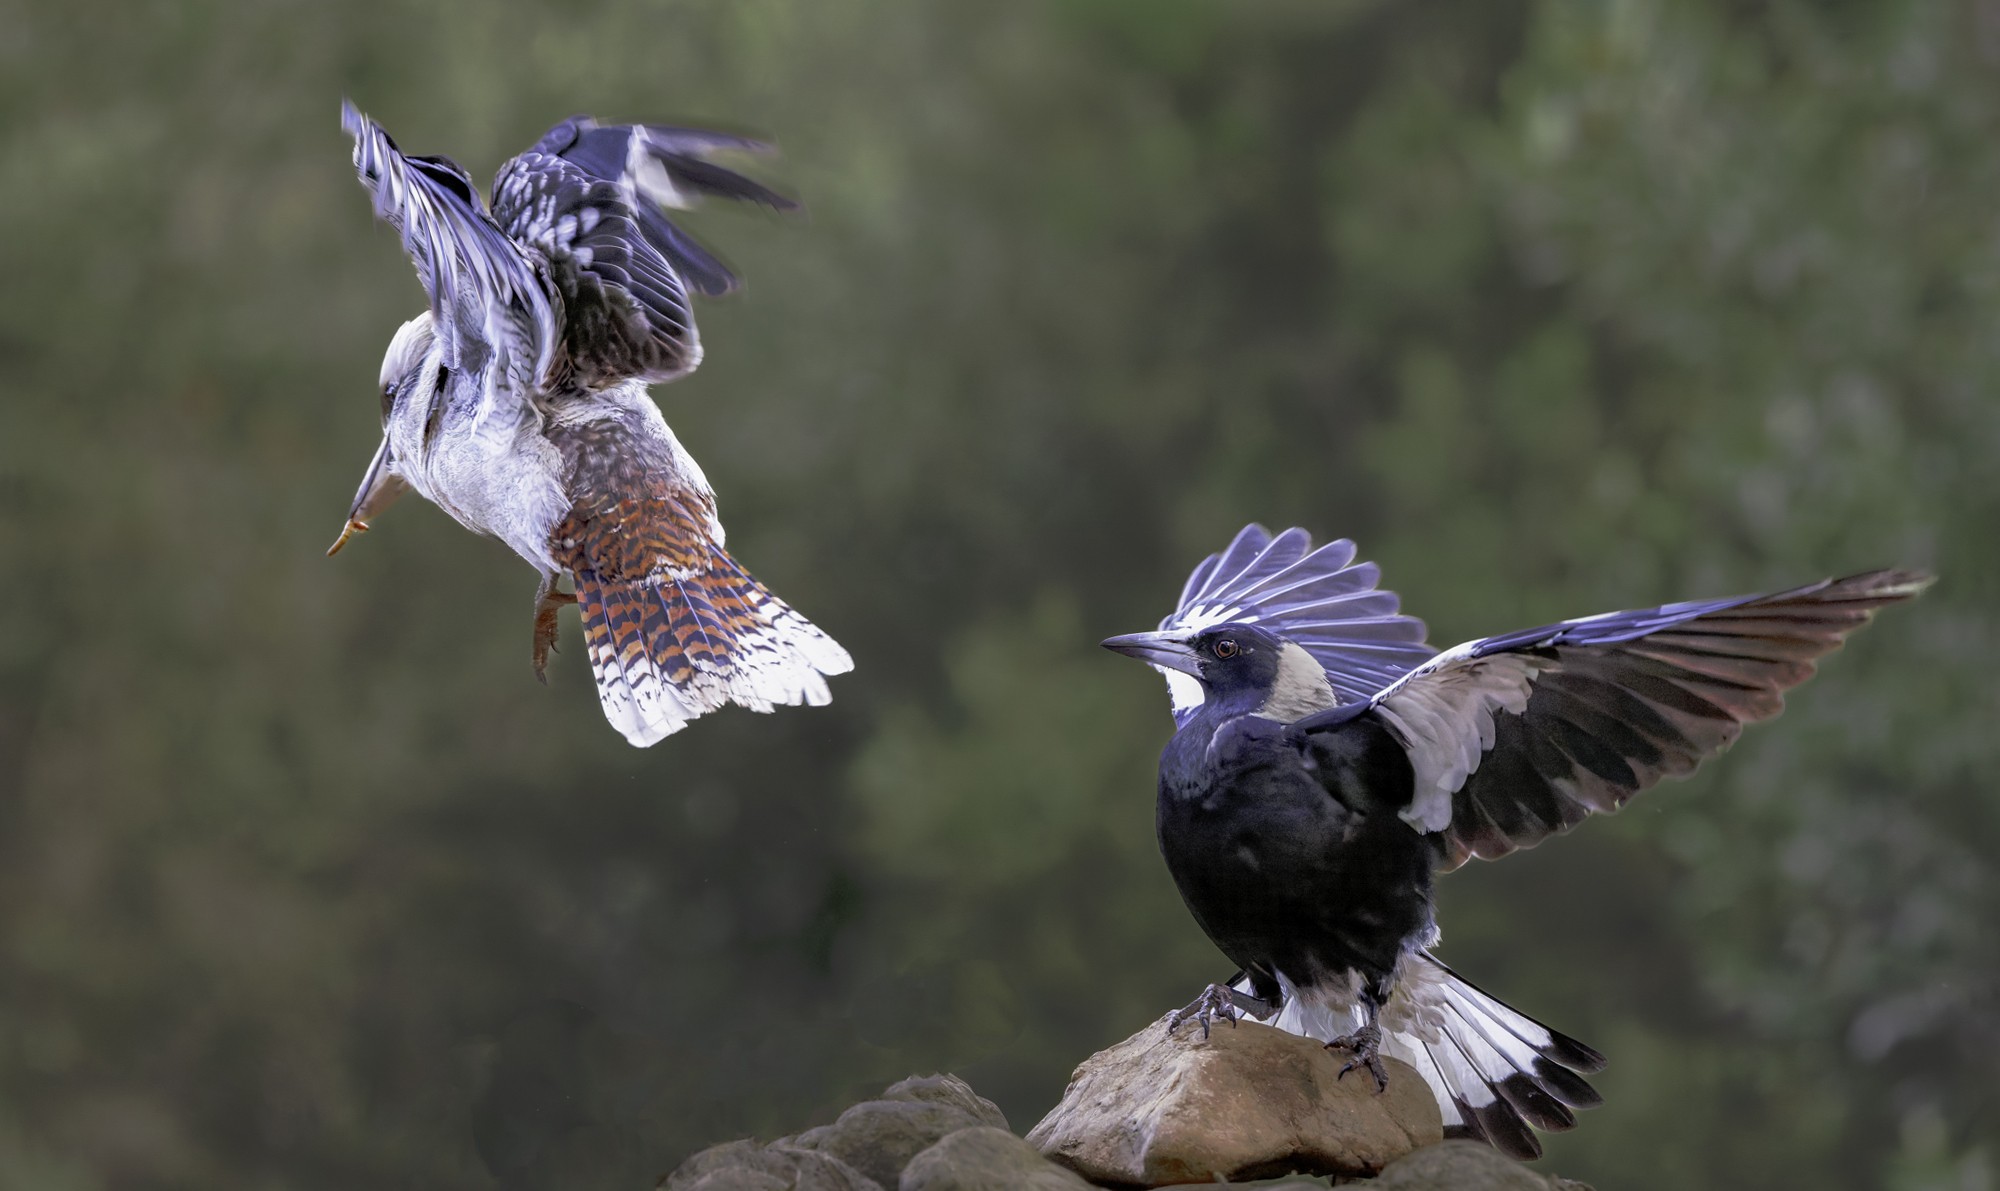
[[388, 401], [1225, 648]]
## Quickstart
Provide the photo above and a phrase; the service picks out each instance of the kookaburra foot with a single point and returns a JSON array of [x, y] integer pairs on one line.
[[1217, 1001], [548, 601], [1365, 1044]]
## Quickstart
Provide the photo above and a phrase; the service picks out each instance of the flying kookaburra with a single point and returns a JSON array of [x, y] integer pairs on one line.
[[518, 404]]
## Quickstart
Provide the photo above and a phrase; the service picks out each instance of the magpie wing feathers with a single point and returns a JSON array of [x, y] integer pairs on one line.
[[1321, 599], [489, 309], [1519, 737], [590, 197]]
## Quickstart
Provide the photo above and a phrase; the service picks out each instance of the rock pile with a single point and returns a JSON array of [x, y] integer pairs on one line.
[[931, 1133], [1246, 1102]]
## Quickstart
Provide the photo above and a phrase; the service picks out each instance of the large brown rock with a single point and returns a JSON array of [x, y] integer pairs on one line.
[[984, 1158], [1247, 1102]]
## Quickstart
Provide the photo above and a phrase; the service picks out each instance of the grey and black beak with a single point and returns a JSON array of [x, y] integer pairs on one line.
[[379, 489], [1165, 650]]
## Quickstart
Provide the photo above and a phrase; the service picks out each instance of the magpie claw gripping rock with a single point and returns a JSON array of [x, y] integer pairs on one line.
[[1365, 1044], [1328, 763], [1214, 1001]]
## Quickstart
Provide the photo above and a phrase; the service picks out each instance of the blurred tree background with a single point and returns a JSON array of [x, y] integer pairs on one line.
[[1555, 307]]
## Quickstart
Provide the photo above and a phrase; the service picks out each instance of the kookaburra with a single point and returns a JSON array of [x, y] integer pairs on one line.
[[518, 404]]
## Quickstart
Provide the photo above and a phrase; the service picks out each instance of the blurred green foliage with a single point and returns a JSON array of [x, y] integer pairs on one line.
[[1555, 307]]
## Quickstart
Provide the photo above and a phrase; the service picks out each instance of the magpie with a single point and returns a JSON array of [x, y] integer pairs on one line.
[[518, 404], [1327, 763]]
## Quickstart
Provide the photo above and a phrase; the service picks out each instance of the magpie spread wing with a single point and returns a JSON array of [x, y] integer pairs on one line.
[[1320, 599], [489, 309], [590, 198], [1518, 737]]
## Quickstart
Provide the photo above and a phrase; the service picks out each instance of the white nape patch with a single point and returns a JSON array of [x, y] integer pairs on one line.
[[1184, 689], [1301, 688]]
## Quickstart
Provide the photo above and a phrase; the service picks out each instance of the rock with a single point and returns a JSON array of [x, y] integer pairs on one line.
[[1248, 1102], [948, 1090], [879, 1137], [986, 1158], [1465, 1166], [734, 1178], [747, 1166]]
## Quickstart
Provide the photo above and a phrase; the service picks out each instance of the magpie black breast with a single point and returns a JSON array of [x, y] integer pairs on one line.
[[1328, 763]]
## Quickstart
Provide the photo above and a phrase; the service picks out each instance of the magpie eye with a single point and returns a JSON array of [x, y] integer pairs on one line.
[[1224, 648]]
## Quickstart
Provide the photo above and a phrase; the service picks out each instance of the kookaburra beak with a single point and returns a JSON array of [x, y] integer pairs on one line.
[[1167, 651], [379, 489]]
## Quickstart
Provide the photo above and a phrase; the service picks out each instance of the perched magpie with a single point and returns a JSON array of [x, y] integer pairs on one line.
[[517, 404], [1327, 763]]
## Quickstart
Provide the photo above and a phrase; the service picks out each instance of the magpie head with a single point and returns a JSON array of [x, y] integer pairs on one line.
[[1238, 666]]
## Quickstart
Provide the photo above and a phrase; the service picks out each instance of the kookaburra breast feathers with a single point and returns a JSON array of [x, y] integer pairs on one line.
[[518, 404]]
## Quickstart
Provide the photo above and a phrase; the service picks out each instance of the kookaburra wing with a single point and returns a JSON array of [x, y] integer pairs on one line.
[[1303, 818], [517, 403]]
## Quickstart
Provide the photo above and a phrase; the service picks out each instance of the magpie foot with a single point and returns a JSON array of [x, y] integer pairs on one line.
[[548, 601], [1365, 1044], [1215, 1001]]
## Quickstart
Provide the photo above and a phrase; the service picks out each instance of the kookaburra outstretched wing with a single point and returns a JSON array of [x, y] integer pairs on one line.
[[491, 315], [589, 198], [517, 403], [1327, 765]]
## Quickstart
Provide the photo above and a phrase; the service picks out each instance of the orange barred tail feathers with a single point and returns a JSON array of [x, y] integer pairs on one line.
[[682, 641]]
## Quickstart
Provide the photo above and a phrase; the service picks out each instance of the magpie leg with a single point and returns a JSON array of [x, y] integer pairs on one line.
[[1219, 1000], [548, 601], [1365, 1046]]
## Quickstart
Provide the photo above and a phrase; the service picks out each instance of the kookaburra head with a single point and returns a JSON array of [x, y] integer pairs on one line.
[[410, 356]]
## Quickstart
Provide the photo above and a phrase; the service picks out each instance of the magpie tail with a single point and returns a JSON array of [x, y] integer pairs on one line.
[[686, 640], [1497, 1074]]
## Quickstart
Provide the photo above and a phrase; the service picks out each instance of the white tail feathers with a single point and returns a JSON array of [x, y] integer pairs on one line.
[[1494, 1071]]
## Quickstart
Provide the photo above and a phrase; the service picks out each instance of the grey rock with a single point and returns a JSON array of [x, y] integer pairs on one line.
[[986, 1158], [948, 1090], [751, 1167], [1247, 1102], [1464, 1166], [879, 1137], [735, 1178]]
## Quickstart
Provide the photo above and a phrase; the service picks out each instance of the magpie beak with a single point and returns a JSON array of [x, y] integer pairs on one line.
[[379, 489], [1164, 650]]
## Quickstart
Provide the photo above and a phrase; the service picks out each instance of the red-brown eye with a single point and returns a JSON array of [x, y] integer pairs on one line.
[[1225, 648]]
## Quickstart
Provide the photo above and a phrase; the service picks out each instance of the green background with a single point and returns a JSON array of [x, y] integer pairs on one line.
[[1555, 307]]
